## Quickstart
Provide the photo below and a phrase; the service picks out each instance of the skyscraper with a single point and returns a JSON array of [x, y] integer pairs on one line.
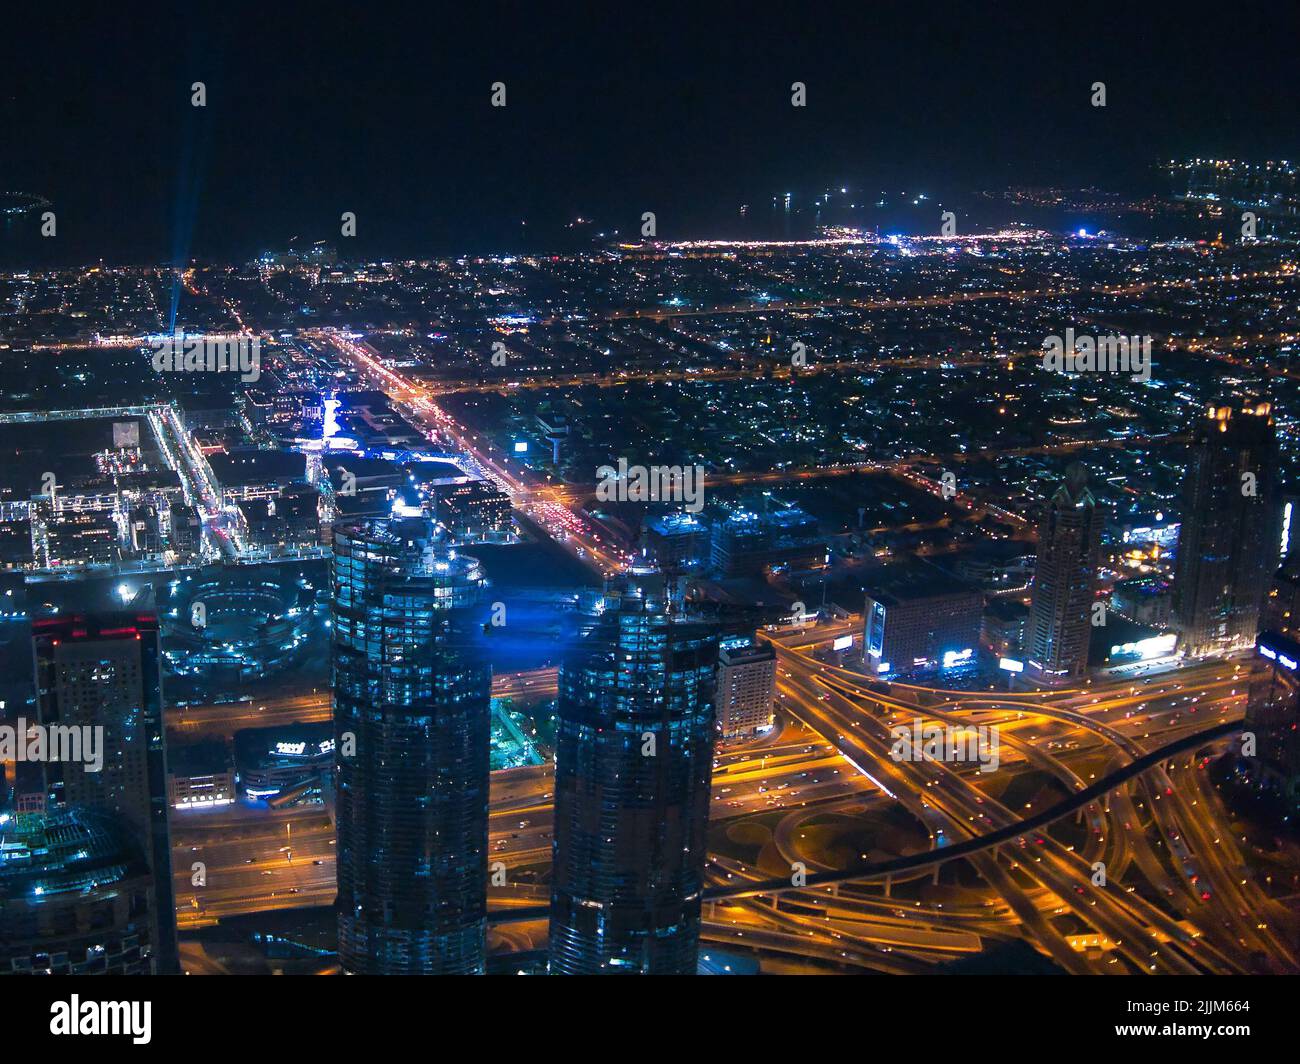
[[411, 705], [1227, 549], [634, 760], [746, 687], [1065, 579], [102, 670]]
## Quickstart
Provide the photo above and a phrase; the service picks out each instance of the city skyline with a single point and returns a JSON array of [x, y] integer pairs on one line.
[[536, 493]]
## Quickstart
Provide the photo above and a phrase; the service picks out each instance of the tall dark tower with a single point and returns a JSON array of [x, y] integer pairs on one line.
[[102, 671], [634, 760], [1065, 579], [1228, 545], [411, 706]]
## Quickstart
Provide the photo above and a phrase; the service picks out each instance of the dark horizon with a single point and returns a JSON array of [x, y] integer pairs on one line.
[[688, 116]]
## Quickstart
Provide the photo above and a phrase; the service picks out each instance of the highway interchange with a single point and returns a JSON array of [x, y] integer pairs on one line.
[[1177, 897]]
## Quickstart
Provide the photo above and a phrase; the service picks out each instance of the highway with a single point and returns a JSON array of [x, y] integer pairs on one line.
[[854, 717], [1125, 755], [529, 492], [191, 723]]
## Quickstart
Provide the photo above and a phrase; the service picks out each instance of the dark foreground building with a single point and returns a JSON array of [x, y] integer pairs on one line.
[[76, 896], [634, 759], [411, 707], [101, 670], [1273, 719], [1228, 546]]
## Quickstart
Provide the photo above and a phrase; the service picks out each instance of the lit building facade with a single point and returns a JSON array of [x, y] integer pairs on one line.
[[411, 718], [634, 760], [1065, 580], [921, 623], [746, 687], [1228, 547], [200, 776], [473, 509]]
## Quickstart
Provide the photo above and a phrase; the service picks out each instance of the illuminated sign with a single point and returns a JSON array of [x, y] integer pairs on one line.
[[1011, 665], [842, 643], [521, 446], [1157, 646], [1276, 655], [956, 657]]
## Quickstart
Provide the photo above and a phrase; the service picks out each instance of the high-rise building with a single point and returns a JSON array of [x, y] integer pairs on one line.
[[1065, 580], [634, 760], [1227, 549], [411, 718], [1273, 719], [746, 687], [102, 670]]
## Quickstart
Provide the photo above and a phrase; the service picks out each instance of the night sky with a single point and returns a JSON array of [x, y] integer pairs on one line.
[[311, 113]]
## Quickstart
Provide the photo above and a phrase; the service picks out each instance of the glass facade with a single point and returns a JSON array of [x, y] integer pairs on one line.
[[1065, 579], [634, 760], [1227, 550], [411, 719]]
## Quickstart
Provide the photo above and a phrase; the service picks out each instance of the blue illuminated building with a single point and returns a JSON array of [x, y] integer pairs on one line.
[[634, 758], [411, 719], [920, 622]]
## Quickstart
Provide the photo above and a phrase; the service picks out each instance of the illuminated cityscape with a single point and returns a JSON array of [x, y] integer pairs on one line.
[[661, 558]]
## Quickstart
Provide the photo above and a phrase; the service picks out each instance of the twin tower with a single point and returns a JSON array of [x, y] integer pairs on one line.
[[634, 757]]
